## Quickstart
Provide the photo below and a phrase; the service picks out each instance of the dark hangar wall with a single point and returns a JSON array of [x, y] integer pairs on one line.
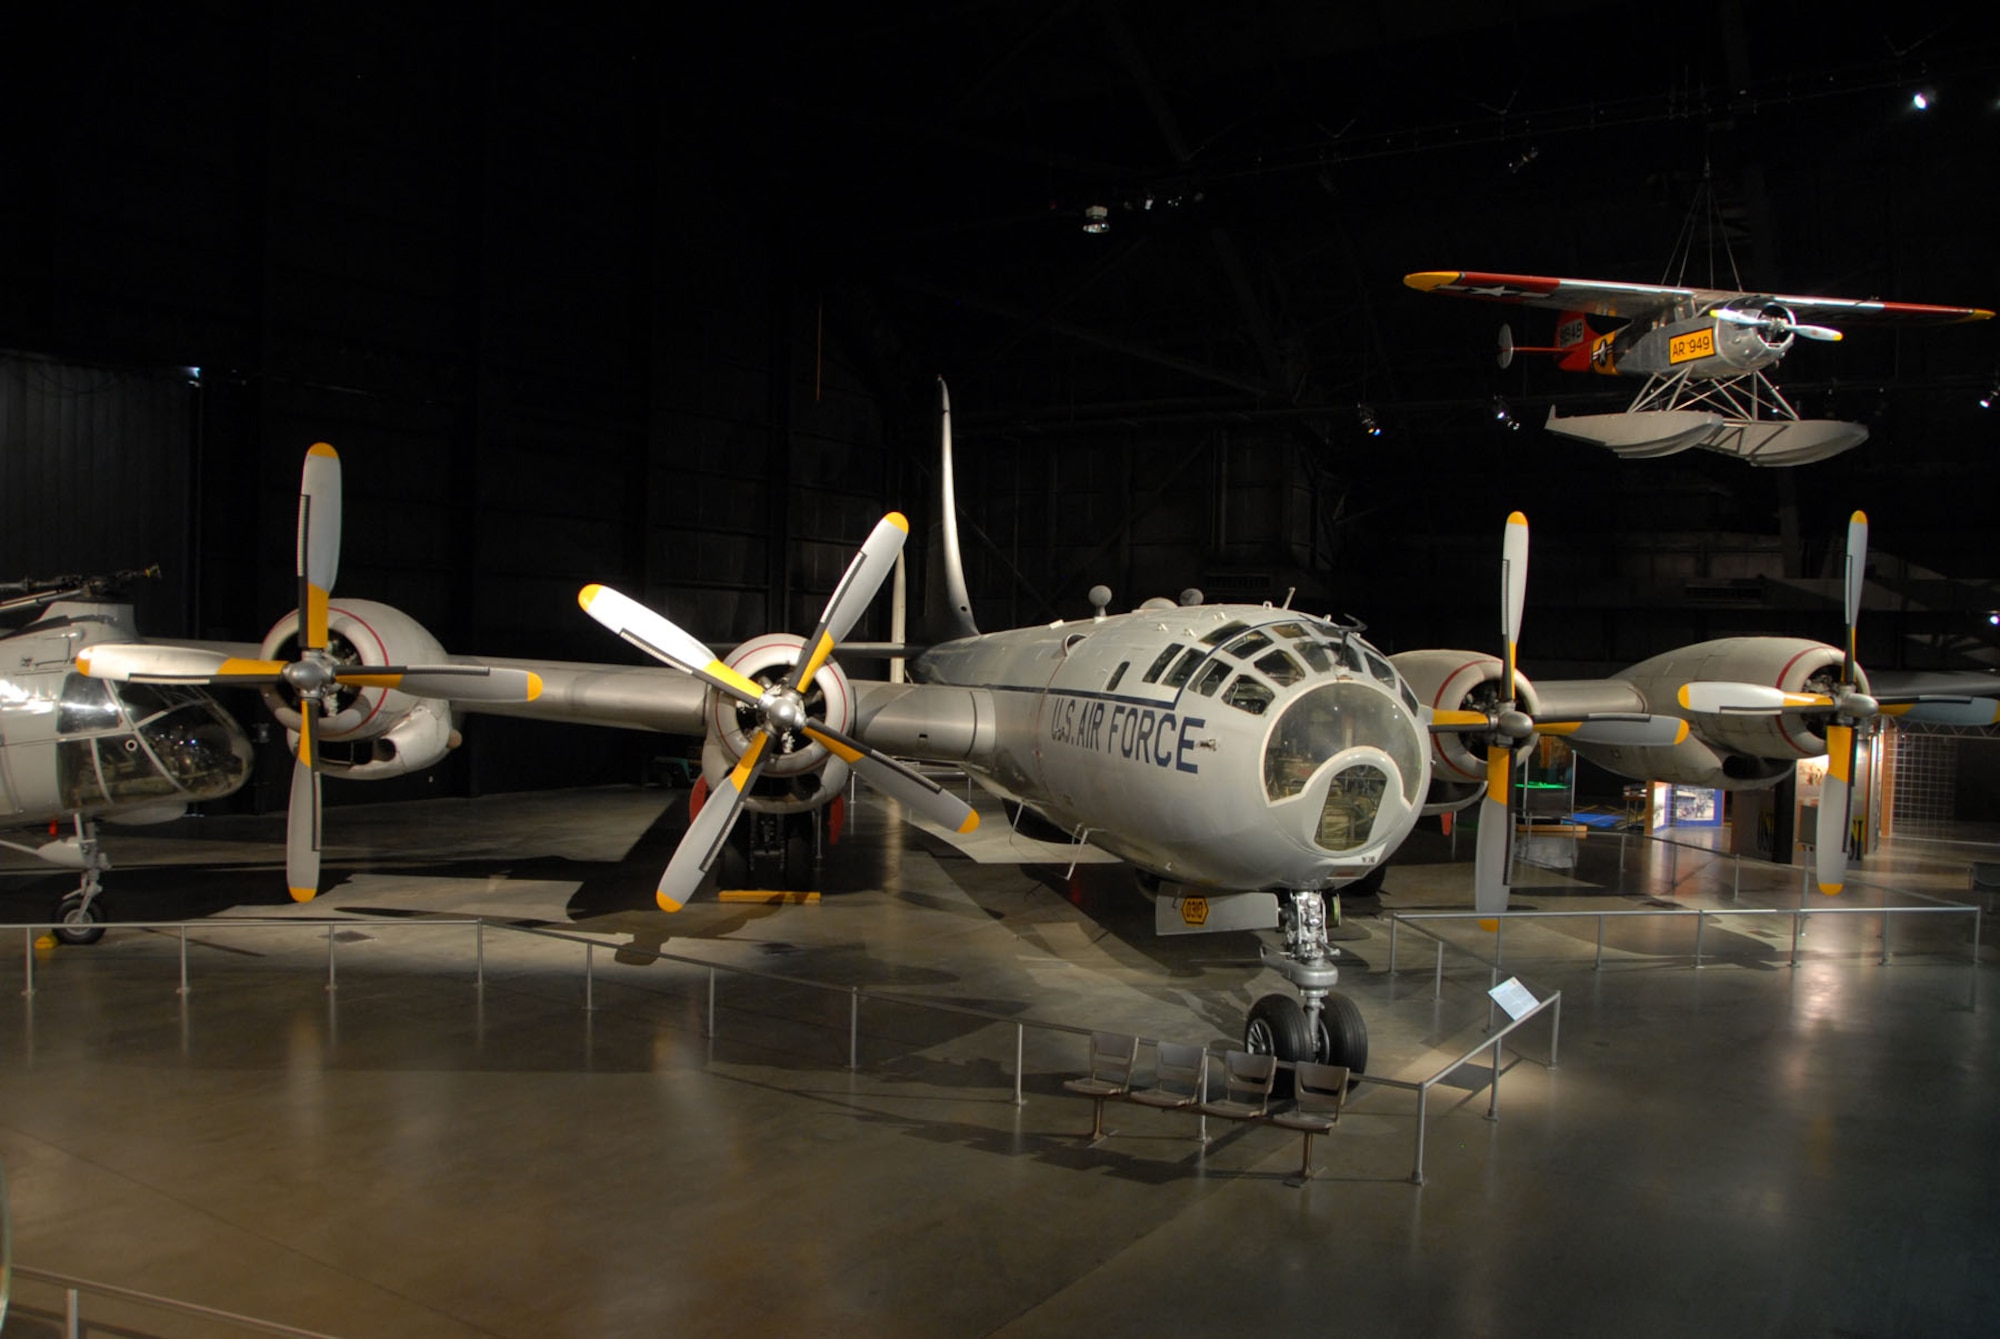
[[583, 298], [488, 257]]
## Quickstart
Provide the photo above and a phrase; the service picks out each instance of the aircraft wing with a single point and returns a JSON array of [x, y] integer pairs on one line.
[[1608, 298], [1601, 298], [626, 697]]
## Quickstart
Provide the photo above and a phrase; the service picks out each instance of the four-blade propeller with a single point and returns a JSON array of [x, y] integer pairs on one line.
[[1775, 320], [1507, 727], [780, 708], [316, 674]]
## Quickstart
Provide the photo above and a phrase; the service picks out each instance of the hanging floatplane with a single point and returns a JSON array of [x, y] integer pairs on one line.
[[1704, 354]]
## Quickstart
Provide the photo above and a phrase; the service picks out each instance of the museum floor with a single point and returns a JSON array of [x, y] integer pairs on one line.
[[1749, 1148]]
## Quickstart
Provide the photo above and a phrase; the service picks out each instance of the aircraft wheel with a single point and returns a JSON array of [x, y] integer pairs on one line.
[[1342, 1034], [1277, 1026], [81, 923]]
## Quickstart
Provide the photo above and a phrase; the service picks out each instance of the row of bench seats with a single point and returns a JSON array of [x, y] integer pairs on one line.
[[1180, 1083]]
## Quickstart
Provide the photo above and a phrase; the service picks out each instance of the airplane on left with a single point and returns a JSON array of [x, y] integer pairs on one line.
[[76, 751], [97, 725]]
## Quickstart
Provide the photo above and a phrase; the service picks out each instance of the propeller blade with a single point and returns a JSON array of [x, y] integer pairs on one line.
[[1824, 333], [1513, 588], [1830, 852], [659, 638], [463, 683], [710, 829], [319, 541], [302, 829], [1449, 721], [1715, 697], [1489, 870], [897, 780], [1620, 729], [1857, 576], [136, 662], [864, 576]]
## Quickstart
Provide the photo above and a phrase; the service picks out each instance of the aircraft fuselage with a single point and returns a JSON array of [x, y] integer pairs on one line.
[[1223, 746]]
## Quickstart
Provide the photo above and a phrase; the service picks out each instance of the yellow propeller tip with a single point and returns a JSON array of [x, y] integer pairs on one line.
[[304, 894], [900, 521], [1491, 927], [1516, 518], [667, 904], [534, 685], [971, 822], [322, 449], [1860, 516], [1831, 889], [589, 594]]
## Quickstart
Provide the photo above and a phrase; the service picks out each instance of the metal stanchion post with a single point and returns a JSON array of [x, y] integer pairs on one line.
[[1737, 891], [1020, 1036], [72, 1312], [332, 984], [711, 1004], [1423, 1103], [1556, 1031], [854, 1027], [479, 954], [28, 960], [184, 959], [1493, 1093], [1598, 966], [1500, 938], [1700, 922], [1798, 928], [1886, 914], [1437, 980], [1394, 924]]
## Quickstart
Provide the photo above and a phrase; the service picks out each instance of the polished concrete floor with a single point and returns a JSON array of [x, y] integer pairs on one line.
[[1750, 1148]]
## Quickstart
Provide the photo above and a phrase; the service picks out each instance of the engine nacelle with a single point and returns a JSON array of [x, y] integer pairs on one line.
[[1461, 681], [1745, 348], [1731, 752], [373, 733], [799, 773]]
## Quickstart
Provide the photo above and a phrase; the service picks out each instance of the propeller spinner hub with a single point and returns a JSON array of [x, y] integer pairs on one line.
[[1514, 724], [784, 709], [310, 677]]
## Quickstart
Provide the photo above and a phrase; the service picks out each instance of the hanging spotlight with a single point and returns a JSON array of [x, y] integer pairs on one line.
[[1368, 423], [1924, 99], [1097, 218], [1992, 397]]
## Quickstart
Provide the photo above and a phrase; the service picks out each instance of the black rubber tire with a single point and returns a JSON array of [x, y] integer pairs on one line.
[[1277, 1026], [1342, 1034], [80, 924]]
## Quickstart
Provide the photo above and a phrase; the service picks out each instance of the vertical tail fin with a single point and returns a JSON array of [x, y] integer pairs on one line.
[[947, 606], [1574, 338]]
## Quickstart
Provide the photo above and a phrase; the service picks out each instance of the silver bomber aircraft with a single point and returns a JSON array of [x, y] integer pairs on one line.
[[1248, 761]]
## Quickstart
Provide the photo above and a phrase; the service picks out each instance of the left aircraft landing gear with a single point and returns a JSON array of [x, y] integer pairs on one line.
[[81, 914], [1322, 1024]]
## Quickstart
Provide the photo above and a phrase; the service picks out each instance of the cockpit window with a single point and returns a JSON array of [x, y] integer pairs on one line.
[[1212, 677], [1248, 694], [1116, 675], [1160, 663], [1331, 719], [1183, 667], [1281, 668], [1225, 632], [1316, 657], [86, 705], [1245, 647], [1289, 631], [1409, 698], [1381, 670]]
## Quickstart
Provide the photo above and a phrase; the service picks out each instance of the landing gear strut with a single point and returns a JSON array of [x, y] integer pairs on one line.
[[80, 913], [1322, 1024]]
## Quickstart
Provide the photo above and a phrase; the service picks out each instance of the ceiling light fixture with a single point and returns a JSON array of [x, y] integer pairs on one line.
[[1096, 218], [1368, 423]]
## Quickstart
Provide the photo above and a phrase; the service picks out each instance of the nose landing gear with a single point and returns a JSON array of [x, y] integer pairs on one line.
[[1322, 1024]]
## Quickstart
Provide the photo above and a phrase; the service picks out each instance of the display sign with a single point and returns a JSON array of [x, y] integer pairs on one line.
[[1514, 997]]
